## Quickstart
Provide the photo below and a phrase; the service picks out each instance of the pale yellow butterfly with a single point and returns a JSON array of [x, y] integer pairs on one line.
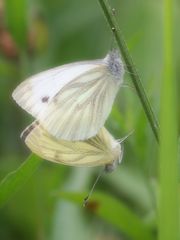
[[73, 101], [101, 149]]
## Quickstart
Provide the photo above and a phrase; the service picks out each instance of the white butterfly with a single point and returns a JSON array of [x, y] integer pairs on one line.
[[73, 101], [102, 149]]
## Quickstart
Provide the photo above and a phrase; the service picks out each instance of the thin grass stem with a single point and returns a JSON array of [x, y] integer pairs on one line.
[[130, 66]]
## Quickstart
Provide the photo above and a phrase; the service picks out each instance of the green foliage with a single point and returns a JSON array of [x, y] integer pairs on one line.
[[113, 211], [50, 33], [16, 179], [16, 20]]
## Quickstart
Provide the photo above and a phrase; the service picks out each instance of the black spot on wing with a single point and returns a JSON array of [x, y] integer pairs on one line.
[[45, 99]]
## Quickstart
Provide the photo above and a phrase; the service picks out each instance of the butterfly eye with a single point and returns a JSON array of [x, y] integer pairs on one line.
[[110, 167]]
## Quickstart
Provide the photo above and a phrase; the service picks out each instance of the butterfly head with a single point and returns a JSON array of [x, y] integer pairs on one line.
[[117, 154]]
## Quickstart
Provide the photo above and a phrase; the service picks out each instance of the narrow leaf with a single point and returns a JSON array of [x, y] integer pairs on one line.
[[16, 179]]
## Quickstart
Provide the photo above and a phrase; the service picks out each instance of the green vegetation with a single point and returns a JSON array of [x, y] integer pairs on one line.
[[42, 200]]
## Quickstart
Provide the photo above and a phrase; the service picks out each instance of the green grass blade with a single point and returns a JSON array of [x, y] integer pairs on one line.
[[114, 212], [16, 179], [168, 202]]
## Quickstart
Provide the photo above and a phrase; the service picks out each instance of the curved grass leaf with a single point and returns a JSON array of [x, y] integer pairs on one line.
[[16, 179], [114, 212]]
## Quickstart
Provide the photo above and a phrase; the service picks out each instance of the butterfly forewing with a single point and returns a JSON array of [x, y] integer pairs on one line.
[[72, 102], [35, 93]]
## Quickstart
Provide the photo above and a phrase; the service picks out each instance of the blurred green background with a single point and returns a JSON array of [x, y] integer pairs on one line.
[[39, 34]]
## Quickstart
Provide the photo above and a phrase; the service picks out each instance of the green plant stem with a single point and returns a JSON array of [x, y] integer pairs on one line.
[[168, 221], [131, 67]]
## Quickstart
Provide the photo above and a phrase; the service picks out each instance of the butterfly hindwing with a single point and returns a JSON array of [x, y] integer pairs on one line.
[[93, 152]]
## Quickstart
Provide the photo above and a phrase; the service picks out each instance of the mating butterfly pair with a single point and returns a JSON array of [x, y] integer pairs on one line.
[[71, 104]]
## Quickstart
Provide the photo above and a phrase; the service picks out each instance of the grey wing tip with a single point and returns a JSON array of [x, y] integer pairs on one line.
[[28, 130]]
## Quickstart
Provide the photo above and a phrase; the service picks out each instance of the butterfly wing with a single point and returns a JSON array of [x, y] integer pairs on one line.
[[35, 93], [81, 107], [93, 152], [72, 102]]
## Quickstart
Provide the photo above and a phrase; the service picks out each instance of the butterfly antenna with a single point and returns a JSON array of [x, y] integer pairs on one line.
[[126, 85], [86, 199], [124, 138]]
